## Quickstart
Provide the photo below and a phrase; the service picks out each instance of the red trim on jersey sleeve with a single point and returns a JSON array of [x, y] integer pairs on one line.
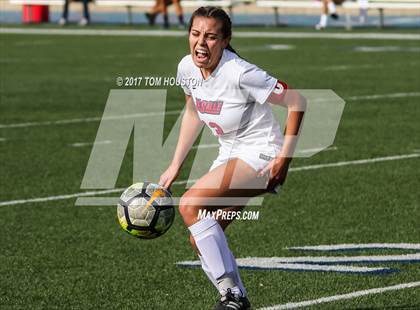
[[280, 89]]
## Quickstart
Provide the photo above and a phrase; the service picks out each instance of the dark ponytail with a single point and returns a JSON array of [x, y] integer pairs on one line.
[[220, 15], [230, 48]]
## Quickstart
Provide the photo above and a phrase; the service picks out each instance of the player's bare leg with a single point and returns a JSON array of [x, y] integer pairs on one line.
[[237, 180], [332, 10], [158, 8], [152, 13], [179, 12], [323, 21], [328, 9]]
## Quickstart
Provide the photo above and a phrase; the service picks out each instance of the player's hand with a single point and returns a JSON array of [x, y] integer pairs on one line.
[[169, 176], [276, 171]]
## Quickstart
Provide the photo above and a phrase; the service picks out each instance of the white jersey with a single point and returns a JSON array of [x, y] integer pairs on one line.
[[232, 102]]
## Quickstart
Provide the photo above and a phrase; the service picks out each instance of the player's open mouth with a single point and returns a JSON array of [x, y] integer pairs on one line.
[[201, 55]]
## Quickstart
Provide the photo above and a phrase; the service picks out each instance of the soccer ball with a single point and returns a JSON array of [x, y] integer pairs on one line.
[[145, 210]]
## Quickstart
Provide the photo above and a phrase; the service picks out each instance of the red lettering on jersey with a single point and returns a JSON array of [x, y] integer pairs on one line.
[[208, 107], [217, 128]]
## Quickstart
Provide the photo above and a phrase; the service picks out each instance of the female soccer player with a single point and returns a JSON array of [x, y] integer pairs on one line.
[[86, 17], [232, 98], [329, 7]]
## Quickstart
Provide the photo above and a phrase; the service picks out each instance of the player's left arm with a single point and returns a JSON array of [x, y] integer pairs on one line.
[[296, 106]]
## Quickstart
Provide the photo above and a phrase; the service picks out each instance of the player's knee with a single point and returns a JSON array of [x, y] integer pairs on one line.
[[187, 210]]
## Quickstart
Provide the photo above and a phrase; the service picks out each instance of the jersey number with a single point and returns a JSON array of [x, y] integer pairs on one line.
[[217, 128]]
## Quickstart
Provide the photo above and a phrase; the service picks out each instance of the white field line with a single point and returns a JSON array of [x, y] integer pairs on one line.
[[340, 36], [98, 118], [243, 263], [307, 303], [361, 246], [61, 197], [69, 196], [228, 201], [331, 148], [2, 139], [238, 34], [332, 165], [87, 119], [383, 96], [323, 268], [94, 32], [279, 47], [82, 144], [346, 67], [375, 49], [216, 145], [310, 167], [205, 146], [331, 259], [355, 162]]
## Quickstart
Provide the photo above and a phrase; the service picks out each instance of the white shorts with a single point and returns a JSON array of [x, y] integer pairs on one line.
[[256, 157]]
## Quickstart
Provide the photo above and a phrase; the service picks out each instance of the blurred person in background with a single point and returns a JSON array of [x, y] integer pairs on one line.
[[363, 7], [161, 6], [86, 17], [329, 8]]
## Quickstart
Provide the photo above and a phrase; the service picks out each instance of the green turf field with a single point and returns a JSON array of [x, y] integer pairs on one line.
[[56, 255]]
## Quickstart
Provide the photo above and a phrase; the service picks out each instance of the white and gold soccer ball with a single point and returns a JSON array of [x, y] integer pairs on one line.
[[145, 210]]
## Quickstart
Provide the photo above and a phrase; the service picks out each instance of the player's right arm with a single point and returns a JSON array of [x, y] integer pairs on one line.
[[191, 126]]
